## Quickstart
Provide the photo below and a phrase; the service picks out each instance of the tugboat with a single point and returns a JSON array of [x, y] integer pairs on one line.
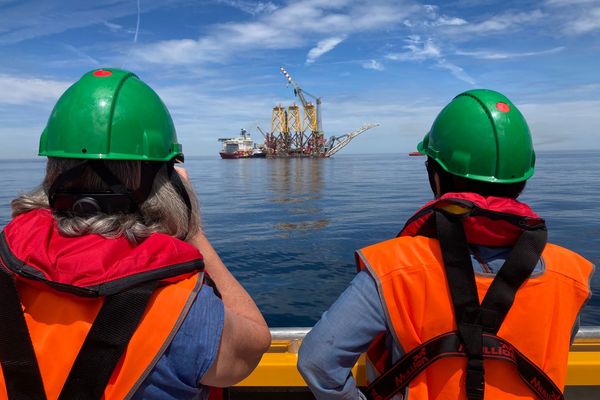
[[240, 147]]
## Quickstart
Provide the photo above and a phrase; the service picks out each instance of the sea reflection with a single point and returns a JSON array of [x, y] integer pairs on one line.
[[296, 185]]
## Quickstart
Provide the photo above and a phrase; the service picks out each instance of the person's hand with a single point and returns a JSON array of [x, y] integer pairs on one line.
[[182, 173], [195, 212]]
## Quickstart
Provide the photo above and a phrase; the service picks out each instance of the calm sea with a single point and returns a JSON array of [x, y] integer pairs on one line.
[[287, 229]]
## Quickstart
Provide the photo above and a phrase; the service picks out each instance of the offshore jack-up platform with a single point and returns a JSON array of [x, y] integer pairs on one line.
[[297, 132]]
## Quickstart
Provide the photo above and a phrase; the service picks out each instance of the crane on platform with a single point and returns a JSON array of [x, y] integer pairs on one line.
[[299, 92], [288, 137], [336, 143]]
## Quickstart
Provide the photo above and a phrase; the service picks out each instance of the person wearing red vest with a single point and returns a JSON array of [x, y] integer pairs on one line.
[[468, 301], [108, 287]]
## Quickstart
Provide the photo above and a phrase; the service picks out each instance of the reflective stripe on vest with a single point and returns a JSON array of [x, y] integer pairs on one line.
[[412, 285]]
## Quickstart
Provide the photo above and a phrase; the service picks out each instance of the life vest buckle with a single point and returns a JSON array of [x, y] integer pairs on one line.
[[455, 207]]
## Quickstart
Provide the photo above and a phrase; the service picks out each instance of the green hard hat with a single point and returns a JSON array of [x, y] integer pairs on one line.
[[110, 114], [481, 135]]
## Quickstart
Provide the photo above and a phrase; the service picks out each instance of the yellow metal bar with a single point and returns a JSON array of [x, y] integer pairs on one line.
[[278, 367], [584, 368]]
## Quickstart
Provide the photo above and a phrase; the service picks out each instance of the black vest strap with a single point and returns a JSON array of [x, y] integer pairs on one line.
[[472, 319], [465, 300], [180, 187], [450, 345], [515, 271], [19, 365], [104, 345], [475, 322]]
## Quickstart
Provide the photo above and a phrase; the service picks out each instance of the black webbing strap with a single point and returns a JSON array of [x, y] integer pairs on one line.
[[67, 176], [516, 270], [117, 199], [473, 319], [114, 183], [450, 345], [475, 322], [180, 187], [465, 300], [149, 169], [19, 365], [412, 364], [98, 166], [110, 333]]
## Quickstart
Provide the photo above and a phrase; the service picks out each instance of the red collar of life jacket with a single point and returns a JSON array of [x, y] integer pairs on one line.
[[488, 221], [92, 265], [116, 308]]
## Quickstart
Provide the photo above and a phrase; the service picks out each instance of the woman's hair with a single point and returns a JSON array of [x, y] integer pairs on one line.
[[452, 183], [163, 211]]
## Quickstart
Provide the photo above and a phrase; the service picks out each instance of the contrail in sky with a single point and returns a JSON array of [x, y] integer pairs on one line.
[[135, 36], [137, 26]]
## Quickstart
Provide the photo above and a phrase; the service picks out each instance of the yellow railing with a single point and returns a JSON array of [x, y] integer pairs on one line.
[[278, 366]]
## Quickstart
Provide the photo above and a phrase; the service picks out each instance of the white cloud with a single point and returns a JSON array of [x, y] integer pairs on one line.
[[587, 22], [562, 3], [323, 47], [568, 127], [373, 64], [435, 19], [422, 50], [291, 26], [575, 17], [251, 7], [457, 71], [498, 23], [491, 55], [454, 21], [201, 116], [429, 8], [26, 90], [418, 50], [176, 51], [113, 27]]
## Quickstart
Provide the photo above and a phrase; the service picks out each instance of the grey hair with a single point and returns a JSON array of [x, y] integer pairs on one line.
[[163, 211]]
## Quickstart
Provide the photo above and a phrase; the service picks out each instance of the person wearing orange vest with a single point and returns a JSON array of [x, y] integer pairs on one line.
[[468, 301], [108, 287]]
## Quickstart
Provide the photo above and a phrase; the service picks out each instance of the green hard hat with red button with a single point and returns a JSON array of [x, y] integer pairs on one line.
[[110, 114], [481, 135]]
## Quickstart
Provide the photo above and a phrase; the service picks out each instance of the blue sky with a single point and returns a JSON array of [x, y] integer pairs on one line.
[[215, 63]]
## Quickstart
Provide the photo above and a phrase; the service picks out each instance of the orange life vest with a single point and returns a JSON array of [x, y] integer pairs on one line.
[[59, 313], [411, 280]]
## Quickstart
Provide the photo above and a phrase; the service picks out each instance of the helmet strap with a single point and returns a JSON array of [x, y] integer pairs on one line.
[[149, 169], [119, 198], [180, 187], [82, 203]]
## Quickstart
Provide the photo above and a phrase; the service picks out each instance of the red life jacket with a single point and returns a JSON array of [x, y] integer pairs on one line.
[[87, 315], [427, 321]]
